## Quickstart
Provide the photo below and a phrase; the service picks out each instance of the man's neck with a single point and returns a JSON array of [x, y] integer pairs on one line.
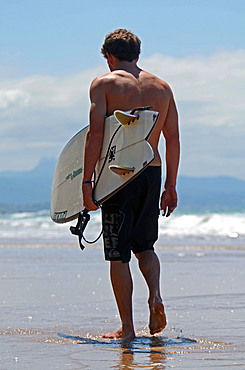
[[116, 64]]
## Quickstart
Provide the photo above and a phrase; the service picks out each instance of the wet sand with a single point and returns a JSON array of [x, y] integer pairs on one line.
[[56, 302]]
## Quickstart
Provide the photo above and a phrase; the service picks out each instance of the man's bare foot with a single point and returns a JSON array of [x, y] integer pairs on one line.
[[119, 334], [158, 319]]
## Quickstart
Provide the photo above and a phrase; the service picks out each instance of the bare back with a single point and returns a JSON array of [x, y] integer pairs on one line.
[[128, 90], [128, 87]]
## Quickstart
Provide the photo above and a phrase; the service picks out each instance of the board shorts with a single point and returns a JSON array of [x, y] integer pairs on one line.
[[130, 217]]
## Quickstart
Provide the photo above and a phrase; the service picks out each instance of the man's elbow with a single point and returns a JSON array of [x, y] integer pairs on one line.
[[173, 139], [95, 136]]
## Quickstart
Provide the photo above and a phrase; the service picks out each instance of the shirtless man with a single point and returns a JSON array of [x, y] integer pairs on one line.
[[127, 87]]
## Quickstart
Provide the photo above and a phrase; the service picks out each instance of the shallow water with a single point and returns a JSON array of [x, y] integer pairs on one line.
[[56, 303]]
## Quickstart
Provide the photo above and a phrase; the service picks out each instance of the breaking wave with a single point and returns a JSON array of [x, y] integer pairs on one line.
[[198, 229]]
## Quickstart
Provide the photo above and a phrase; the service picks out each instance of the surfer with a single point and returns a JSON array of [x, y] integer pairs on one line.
[[130, 216]]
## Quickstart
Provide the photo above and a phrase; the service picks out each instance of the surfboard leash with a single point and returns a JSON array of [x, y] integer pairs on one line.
[[83, 219], [106, 157], [140, 109]]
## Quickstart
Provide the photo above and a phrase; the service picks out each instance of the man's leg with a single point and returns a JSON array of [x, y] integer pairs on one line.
[[122, 284], [150, 267]]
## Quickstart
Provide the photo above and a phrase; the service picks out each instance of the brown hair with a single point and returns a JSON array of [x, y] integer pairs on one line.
[[122, 44]]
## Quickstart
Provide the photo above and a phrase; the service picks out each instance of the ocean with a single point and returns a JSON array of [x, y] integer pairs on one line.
[[205, 229]]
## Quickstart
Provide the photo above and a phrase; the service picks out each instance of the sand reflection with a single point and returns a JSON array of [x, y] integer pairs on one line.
[[143, 351]]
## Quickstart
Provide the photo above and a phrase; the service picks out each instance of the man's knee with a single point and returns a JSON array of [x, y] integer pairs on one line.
[[143, 255], [119, 266]]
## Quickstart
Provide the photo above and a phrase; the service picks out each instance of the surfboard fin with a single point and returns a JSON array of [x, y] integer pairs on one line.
[[125, 118], [121, 170]]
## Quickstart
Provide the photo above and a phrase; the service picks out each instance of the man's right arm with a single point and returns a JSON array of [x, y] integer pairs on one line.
[[94, 138], [171, 134]]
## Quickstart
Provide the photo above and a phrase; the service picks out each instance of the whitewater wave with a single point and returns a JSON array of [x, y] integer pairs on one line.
[[218, 224], [198, 229]]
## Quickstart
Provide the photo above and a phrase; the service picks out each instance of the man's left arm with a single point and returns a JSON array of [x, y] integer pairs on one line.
[[94, 139], [171, 133]]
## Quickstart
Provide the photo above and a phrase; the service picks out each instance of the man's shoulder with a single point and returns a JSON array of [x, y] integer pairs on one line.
[[110, 76], [102, 81], [157, 80]]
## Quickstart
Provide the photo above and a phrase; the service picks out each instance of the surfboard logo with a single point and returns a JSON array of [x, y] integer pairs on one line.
[[112, 154], [74, 174], [60, 215]]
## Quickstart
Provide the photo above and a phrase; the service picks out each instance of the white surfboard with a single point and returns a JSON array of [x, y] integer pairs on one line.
[[125, 153]]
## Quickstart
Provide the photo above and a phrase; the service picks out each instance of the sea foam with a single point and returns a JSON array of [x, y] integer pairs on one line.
[[179, 229]]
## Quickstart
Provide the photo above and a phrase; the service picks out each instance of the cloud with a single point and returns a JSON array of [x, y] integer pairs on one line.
[[9, 98], [209, 89], [45, 92], [38, 114]]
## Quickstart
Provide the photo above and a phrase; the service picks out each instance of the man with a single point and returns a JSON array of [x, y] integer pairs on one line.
[[127, 87]]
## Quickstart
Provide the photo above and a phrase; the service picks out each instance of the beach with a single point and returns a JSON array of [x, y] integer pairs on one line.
[[56, 302]]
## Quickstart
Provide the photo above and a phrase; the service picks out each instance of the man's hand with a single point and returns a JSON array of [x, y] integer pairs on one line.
[[88, 199], [169, 201]]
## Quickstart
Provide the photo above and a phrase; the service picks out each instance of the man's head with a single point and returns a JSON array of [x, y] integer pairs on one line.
[[122, 44]]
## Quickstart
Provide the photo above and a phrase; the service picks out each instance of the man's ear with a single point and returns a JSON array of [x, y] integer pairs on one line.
[[111, 61], [109, 58]]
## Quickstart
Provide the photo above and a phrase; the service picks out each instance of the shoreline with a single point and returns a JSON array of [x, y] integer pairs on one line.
[[99, 246]]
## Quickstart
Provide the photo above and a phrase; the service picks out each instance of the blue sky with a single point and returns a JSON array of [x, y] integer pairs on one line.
[[50, 52]]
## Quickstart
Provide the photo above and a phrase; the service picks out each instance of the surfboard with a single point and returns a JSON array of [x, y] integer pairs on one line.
[[125, 154]]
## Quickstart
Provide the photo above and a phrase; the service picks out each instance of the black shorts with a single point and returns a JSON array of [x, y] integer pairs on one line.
[[130, 217]]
